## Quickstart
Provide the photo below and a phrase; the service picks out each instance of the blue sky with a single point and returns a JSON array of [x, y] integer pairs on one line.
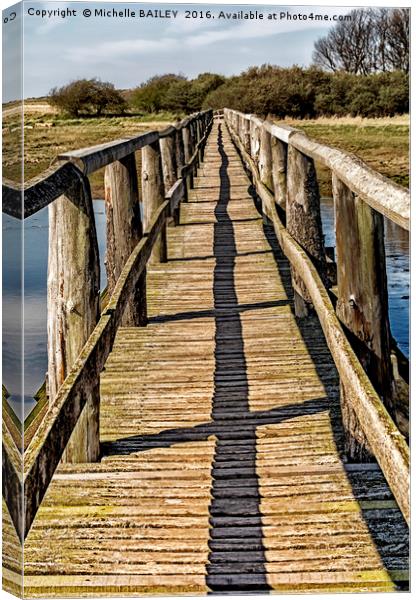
[[129, 51]]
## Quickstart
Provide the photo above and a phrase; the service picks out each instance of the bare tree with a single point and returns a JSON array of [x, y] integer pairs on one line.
[[397, 40], [371, 40]]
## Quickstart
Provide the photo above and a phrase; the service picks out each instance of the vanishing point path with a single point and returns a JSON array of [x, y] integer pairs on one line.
[[222, 464]]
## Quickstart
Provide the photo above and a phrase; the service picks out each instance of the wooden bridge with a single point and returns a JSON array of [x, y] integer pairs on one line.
[[213, 428]]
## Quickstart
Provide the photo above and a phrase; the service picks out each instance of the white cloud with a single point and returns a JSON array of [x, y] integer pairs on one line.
[[182, 34], [112, 50]]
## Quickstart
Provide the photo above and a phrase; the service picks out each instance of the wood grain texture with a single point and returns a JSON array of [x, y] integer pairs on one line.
[[362, 303], [382, 194], [387, 443], [221, 435], [124, 229], [73, 305]]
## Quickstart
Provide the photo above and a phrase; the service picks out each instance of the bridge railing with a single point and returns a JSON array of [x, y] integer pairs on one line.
[[79, 337], [281, 161]]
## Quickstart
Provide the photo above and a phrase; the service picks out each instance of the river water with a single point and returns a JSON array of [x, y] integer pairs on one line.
[[35, 276]]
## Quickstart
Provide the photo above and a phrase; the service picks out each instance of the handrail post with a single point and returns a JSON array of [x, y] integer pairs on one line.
[[194, 143], [186, 134], [279, 170], [124, 231], [362, 304], [265, 159], [254, 142], [303, 222], [179, 150], [153, 192], [73, 306], [265, 162], [201, 133], [167, 149], [245, 134]]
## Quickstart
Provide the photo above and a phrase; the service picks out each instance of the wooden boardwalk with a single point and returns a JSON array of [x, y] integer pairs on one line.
[[220, 422]]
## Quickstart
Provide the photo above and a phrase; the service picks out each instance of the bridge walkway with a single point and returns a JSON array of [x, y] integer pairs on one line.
[[222, 441]]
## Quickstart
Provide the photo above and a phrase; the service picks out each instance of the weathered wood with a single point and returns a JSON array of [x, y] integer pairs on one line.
[[59, 425], [12, 479], [168, 153], [386, 442], [169, 167], [179, 151], [303, 221], [38, 191], [124, 229], [225, 473], [95, 157], [255, 125], [137, 261], [153, 192], [45, 188], [73, 303], [245, 132], [186, 137], [71, 418], [265, 159], [45, 450], [175, 195], [382, 194], [362, 303], [279, 168]]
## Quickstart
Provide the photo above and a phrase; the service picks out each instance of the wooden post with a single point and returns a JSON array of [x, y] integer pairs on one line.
[[187, 155], [193, 141], [254, 142], [279, 168], [200, 130], [168, 152], [303, 221], [153, 192], [265, 159], [186, 136], [362, 304], [246, 135], [124, 231], [167, 149], [180, 152], [73, 305]]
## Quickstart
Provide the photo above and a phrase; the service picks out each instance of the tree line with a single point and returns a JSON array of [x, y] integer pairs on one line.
[[373, 40], [360, 68]]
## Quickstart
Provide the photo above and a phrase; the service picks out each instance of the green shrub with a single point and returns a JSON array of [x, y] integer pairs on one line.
[[87, 96]]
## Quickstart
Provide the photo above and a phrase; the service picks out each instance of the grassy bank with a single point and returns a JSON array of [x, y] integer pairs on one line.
[[382, 143], [48, 134]]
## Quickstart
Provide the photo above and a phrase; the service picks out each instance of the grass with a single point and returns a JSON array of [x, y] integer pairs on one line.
[[382, 143], [46, 135]]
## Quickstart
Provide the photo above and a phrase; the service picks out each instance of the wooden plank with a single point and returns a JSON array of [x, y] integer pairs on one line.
[[225, 474], [386, 442]]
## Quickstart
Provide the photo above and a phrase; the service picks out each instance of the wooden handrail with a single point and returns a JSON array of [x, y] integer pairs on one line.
[[382, 194], [387, 443], [28, 475], [43, 189]]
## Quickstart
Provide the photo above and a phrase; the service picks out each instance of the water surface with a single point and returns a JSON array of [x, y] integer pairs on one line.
[[35, 279]]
